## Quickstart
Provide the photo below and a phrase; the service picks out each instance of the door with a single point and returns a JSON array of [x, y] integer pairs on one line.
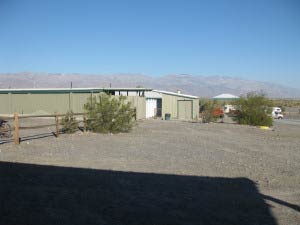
[[151, 105], [185, 110], [159, 107]]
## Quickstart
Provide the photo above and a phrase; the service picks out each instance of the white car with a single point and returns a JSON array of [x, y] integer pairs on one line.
[[277, 113]]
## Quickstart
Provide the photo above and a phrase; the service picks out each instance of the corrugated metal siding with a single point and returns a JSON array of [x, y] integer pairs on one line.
[[39, 103], [61, 102], [195, 108], [170, 105], [5, 107], [185, 109], [56, 102], [78, 101], [140, 104]]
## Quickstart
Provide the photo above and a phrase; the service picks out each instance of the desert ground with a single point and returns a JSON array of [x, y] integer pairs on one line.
[[162, 172]]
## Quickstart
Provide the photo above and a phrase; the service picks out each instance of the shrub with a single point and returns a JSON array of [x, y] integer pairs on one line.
[[69, 123], [208, 111], [254, 109], [107, 114], [286, 102]]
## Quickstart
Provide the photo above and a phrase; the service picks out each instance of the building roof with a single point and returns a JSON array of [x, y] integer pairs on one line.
[[225, 96], [127, 89], [176, 94], [67, 90], [152, 94]]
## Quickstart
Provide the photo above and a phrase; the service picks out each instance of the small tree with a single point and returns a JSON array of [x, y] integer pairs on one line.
[[69, 123], [107, 114], [254, 109]]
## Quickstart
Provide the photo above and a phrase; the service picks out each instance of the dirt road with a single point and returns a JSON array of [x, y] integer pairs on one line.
[[289, 121]]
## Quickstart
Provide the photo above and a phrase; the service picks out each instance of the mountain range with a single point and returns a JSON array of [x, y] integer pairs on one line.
[[203, 86]]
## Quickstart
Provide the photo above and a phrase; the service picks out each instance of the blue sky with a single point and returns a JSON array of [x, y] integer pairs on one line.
[[252, 39]]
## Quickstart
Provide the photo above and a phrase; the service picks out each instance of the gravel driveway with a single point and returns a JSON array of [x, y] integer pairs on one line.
[[163, 172]]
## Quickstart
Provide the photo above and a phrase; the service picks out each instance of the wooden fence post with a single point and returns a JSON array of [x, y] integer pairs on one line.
[[84, 123], [16, 132], [57, 124]]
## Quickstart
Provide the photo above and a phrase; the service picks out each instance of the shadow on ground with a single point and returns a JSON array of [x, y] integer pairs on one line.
[[28, 137], [35, 194]]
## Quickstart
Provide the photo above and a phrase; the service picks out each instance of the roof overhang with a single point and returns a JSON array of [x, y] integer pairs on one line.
[[66, 90], [176, 94]]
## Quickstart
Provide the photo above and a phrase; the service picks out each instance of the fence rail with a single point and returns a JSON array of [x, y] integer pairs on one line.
[[39, 116], [16, 127], [37, 127]]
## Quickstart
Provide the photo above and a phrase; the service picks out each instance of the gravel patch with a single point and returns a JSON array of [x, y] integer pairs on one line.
[[267, 162]]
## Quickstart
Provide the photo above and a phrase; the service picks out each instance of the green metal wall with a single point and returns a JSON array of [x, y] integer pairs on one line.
[[78, 101], [140, 104], [40, 103], [170, 105], [50, 103], [5, 103]]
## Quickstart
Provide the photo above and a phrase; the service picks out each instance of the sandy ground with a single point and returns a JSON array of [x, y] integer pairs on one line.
[[253, 175]]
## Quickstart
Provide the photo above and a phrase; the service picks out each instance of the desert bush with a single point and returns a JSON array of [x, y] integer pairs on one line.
[[286, 102], [107, 114], [254, 109], [207, 110], [69, 123]]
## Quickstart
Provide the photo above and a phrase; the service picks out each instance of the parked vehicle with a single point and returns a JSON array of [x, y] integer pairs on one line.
[[277, 113], [228, 108]]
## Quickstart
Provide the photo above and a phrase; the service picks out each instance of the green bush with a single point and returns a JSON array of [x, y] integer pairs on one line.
[[69, 123], [286, 103], [107, 114], [254, 109]]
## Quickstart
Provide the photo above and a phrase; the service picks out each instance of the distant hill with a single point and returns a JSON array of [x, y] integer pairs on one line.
[[203, 86]]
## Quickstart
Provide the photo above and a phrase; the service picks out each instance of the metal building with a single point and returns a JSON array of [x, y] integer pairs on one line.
[[148, 103], [179, 106], [49, 101]]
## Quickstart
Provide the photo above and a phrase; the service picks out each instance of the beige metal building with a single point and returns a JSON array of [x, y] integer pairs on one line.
[[48, 101], [179, 106]]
